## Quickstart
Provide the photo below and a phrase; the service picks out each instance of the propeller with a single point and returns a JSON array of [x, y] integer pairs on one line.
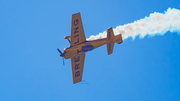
[[62, 55], [59, 51], [63, 61]]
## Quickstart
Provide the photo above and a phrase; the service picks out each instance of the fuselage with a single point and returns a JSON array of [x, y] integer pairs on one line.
[[84, 47]]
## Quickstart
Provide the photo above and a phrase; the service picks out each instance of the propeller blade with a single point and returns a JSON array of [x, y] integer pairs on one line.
[[63, 62], [62, 55], [59, 51]]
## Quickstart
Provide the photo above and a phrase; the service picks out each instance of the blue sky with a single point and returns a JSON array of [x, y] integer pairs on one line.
[[145, 69]]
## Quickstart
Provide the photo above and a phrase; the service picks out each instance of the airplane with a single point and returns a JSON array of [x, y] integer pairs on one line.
[[79, 46]]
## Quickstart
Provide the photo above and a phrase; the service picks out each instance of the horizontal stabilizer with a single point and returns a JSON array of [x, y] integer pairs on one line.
[[110, 44], [110, 34], [110, 47]]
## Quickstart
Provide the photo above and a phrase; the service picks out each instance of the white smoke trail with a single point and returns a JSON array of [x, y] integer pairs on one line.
[[155, 24]]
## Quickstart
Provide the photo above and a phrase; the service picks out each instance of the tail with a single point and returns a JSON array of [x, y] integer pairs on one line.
[[111, 39]]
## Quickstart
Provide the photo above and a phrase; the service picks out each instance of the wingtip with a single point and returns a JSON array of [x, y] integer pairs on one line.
[[76, 13]]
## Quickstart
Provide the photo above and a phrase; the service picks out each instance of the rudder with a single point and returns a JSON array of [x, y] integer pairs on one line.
[[118, 39]]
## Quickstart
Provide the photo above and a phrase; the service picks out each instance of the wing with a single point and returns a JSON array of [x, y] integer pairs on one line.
[[77, 31], [77, 67]]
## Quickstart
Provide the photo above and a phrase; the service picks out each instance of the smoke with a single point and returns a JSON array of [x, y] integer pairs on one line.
[[155, 24]]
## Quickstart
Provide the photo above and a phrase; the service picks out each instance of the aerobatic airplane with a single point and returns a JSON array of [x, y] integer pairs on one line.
[[79, 46]]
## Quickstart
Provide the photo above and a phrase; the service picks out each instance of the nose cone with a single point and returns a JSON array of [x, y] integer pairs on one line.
[[63, 54]]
